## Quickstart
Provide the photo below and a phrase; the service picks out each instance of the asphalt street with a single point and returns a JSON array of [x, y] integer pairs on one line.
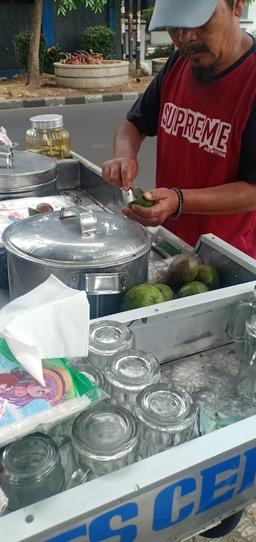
[[92, 127]]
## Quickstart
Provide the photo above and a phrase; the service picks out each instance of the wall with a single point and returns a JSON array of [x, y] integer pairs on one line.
[[14, 17]]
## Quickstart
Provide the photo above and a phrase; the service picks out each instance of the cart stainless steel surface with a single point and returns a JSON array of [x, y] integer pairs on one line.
[[186, 489], [181, 491]]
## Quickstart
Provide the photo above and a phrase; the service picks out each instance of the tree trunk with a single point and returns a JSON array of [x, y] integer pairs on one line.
[[33, 79]]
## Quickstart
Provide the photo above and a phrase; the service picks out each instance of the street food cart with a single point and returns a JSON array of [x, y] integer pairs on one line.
[[186, 489]]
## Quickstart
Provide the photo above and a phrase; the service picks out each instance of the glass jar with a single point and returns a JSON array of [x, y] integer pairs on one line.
[[246, 384], [31, 470], [128, 374], [47, 135], [166, 415], [217, 411], [243, 310], [105, 438], [106, 339]]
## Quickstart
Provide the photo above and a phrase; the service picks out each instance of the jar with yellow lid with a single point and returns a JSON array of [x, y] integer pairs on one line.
[[48, 136]]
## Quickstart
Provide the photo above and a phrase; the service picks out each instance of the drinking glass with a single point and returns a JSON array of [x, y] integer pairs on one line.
[[166, 415], [30, 470], [128, 374], [105, 438], [106, 339]]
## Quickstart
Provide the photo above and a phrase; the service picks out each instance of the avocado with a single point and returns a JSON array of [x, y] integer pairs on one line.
[[141, 201], [165, 290], [192, 288], [209, 275], [32, 212], [141, 295], [184, 268]]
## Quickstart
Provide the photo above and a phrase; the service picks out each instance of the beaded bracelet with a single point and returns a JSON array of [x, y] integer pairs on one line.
[[177, 213]]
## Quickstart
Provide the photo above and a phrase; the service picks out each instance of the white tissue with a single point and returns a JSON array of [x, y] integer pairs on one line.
[[51, 321]]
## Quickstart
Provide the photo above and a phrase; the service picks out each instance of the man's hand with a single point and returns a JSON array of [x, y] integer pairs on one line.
[[120, 171], [166, 203]]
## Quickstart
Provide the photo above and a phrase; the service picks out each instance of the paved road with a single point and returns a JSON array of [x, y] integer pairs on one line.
[[92, 127]]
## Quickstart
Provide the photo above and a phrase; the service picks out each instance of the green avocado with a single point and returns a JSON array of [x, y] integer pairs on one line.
[[141, 201], [141, 295], [165, 290], [32, 212], [184, 268], [209, 275], [192, 288]]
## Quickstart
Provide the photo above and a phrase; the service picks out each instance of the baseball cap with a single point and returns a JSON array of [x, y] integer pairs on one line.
[[181, 13]]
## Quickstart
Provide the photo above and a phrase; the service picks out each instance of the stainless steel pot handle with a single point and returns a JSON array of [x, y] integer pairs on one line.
[[100, 284], [87, 220]]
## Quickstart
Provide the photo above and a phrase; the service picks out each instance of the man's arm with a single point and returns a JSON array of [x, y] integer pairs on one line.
[[231, 198], [123, 168], [237, 197], [142, 121]]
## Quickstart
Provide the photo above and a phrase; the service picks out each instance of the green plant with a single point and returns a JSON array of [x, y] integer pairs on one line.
[[21, 46], [53, 54], [98, 39], [146, 15], [162, 51]]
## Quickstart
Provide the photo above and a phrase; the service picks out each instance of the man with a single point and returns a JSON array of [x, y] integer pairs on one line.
[[201, 107]]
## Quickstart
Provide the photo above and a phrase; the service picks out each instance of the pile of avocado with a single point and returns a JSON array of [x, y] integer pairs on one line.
[[186, 276]]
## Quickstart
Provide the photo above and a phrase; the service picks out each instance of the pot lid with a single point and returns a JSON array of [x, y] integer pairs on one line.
[[27, 169], [77, 237]]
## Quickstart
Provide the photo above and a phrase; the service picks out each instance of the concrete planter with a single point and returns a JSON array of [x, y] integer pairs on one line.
[[157, 64], [91, 76]]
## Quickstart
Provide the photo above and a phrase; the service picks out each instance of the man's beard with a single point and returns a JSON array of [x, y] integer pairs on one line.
[[204, 75]]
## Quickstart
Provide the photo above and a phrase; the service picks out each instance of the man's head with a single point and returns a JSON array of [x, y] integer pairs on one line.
[[207, 32]]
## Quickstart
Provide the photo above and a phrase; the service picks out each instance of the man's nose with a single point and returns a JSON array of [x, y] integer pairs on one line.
[[185, 35]]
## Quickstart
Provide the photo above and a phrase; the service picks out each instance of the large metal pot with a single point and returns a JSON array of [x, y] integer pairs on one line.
[[99, 252], [28, 174]]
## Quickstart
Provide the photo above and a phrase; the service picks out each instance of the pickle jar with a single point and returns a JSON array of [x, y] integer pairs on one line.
[[105, 439], [128, 374], [166, 415], [48, 136], [106, 340]]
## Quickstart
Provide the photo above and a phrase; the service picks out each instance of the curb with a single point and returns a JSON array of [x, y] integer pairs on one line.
[[68, 100]]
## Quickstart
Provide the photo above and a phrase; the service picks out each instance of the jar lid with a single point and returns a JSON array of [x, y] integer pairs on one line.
[[108, 337], [166, 407], [133, 370], [46, 121], [105, 432], [28, 170], [77, 237], [32, 457]]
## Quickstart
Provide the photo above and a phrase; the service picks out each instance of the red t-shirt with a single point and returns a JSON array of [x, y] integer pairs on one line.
[[199, 132]]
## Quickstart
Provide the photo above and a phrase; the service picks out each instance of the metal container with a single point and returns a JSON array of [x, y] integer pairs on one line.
[[28, 175], [128, 374], [107, 339], [105, 438], [99, 252], [166, 415]]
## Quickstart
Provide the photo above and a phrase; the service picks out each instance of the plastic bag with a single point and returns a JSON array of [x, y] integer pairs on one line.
[[158, 271], [25, 405]]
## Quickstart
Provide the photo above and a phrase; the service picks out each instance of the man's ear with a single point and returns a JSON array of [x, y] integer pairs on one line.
[[238, 7]]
